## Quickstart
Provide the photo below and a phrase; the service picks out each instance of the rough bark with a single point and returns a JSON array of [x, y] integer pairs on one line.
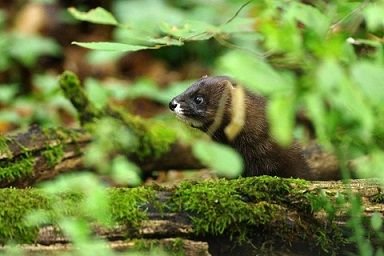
[[34, 142]]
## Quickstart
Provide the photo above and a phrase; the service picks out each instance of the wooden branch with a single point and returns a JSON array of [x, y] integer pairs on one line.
[[290, 227], [33, 147], [35, 142]]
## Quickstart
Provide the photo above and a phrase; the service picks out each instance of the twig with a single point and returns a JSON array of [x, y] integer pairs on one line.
[[238, 11]]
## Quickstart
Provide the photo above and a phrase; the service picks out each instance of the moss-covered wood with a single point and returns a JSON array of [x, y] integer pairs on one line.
[[126, 208], [267, 212], [154, 138], [38, 154], [165, 246]]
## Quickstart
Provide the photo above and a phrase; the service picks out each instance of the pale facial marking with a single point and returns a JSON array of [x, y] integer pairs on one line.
[[180, 114], [190, 121], [178, 110]]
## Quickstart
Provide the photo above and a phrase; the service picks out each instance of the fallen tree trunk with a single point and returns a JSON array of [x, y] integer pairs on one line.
[[172, 246], [36, 154], [237, 217]]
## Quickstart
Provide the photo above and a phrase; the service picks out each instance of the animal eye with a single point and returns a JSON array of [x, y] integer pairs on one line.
[[198, 99]]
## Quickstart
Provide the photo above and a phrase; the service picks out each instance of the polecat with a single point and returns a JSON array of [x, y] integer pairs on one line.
[[198, 106]]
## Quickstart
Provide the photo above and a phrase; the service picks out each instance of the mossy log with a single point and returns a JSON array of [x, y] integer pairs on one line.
[[246, 216], [39, 154], [165, 246]]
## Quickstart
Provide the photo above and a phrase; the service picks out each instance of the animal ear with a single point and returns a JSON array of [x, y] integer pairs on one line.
[[228, 84]]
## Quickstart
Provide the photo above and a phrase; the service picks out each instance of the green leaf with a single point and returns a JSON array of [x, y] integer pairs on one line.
[[36, 45], [96, 203], [370, 77], [317, 113], [110, 46], [136, 36], [282, 38], [372, 166], [97, 15], [103, 57], [223, 159], [373, 15], [311, 17], [345, 97], [96, 93], [37, 218], [125, 172], [156, 12], [254, 72], [143, 88], [376, 221], [329, 84], [76, 229], [8, 92], [10, 116], [191, 30], [281, 115], [46, 83]]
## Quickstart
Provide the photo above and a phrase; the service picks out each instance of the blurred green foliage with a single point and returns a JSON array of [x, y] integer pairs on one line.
[[23, 49], [20, 52], [319, 58], [325, 59]]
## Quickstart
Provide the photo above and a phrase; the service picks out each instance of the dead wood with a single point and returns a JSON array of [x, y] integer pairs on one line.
[[166, 225], [34, 142]]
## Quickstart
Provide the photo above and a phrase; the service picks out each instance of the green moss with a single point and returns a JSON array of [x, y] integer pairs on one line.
[[155, 247], [127, 207], [154, 138], [18, 205], [17, 168], [53, 155], [224, 205], [4, 149], [177, 244], [73, 91], [243, 207], [14, 206], [63, 135], [157, 140], [144, 245], [240, 209]]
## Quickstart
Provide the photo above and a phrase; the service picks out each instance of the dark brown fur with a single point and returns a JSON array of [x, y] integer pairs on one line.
[[261, 154]]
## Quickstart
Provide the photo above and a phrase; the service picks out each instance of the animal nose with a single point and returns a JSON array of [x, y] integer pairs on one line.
[[173, 104]]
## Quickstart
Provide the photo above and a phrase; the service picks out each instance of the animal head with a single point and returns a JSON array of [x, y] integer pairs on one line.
[[198, 105]]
